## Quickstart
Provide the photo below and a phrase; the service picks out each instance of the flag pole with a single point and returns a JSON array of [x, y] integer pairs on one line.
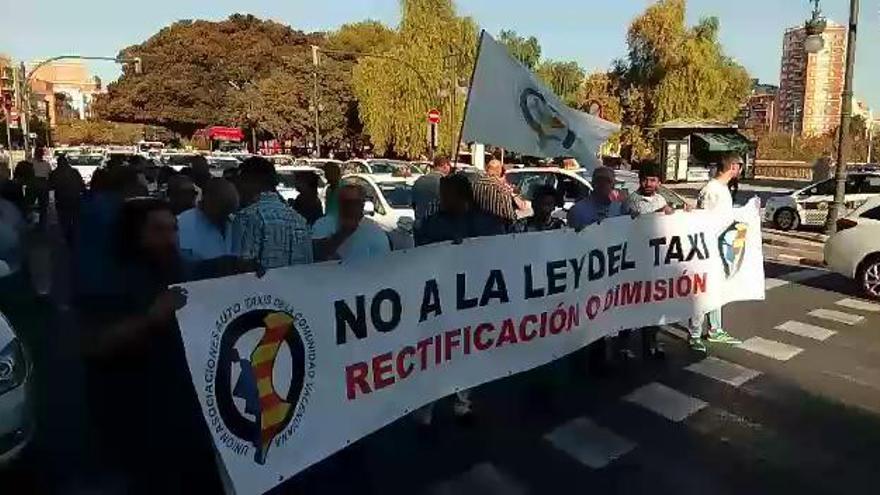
[[468, 100]]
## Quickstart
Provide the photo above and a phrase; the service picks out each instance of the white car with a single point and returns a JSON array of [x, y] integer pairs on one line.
[[389, 203], [16, 425], [314, 162], [288, 175], [378, 167], [854, 251], [809, 206], [85, 163], [574, 184]]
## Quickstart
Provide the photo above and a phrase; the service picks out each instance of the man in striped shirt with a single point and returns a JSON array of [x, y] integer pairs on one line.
[[494, 195]]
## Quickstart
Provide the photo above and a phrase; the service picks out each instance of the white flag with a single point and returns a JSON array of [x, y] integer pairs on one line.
[[508, 107]]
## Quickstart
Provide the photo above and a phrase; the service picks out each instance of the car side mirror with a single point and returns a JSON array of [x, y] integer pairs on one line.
[[369, 208]]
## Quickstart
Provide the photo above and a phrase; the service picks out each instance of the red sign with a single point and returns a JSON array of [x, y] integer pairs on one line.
[[434, 116]]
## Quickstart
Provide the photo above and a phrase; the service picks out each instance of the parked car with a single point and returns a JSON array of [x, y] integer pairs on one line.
[[220, 163], [854, 251], [16, 426], [319, 163], [575, 184], [86, 164], [389, 203], [809, 206], [288, 175], [374, 166]]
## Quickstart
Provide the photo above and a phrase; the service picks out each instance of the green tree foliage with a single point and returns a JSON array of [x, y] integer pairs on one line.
[[782, 146], [432, 55], [564, 78], [526, 50], [188, 66], [671, 72], [74, 132]]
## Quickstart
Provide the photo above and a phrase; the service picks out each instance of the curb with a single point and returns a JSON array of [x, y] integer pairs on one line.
[[801, 245], [789, 259]]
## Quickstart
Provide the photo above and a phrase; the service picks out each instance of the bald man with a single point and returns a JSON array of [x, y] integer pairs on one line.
[[203, 232]]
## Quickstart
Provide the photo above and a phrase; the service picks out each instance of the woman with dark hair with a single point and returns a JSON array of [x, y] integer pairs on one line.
[[136, 369]]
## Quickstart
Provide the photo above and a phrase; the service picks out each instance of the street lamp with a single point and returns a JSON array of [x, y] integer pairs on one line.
[[845, 116], [25, 83], [814, 28]]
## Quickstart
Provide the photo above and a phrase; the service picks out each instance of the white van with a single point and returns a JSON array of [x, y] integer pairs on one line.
[[809, 206]]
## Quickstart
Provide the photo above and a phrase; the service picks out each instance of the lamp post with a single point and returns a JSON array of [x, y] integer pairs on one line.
[[845, 109], [26, 80]]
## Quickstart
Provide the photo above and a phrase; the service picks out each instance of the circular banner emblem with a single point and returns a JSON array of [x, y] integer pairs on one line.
[[258, 384]]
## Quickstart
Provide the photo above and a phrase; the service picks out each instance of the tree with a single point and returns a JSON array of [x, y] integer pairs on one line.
[[101, 132], [361, 37], [433, 51], [671, 72], [526, 50], [564, 78], [188, 67]]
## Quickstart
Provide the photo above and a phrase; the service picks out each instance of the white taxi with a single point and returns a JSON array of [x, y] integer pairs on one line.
[[809, 206], [389, 204], [854, 251]]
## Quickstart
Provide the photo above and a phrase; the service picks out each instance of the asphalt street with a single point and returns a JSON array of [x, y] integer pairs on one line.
[[795, 409]]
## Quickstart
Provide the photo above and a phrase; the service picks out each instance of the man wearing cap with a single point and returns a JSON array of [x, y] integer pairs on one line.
[[267, 230]]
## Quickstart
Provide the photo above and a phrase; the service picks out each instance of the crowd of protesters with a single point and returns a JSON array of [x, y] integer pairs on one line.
[[137, 228]]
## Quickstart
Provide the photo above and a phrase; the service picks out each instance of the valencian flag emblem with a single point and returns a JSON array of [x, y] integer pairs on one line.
[[261, 365], [732, 247]]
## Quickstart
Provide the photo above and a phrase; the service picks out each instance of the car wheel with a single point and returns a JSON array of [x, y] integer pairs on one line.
[[868, 276], [786, 219]]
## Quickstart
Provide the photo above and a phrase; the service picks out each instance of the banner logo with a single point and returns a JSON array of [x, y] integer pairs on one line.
[[261, 382], [732, 247], [544, 119]]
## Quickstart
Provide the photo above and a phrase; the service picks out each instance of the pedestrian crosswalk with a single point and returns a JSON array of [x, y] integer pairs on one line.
[[598, 444], [589, 443], [806, 330], [837, 316], [723, 371], [770, 348]]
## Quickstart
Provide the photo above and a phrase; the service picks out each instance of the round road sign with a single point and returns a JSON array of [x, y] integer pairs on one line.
[[434, 116]]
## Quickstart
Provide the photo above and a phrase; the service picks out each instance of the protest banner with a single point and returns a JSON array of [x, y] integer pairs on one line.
[[509, 107], [293, 367]]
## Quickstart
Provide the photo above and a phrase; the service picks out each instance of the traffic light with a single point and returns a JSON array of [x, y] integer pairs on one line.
[[7, 97]]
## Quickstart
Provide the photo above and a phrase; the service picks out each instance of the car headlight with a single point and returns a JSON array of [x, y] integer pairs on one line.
[[13, 369]]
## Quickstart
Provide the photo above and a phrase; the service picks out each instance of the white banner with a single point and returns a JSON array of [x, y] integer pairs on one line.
[[509, 107], [293, 367]]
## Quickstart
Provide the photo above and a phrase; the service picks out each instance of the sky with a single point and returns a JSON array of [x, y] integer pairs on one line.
[[591, 32]]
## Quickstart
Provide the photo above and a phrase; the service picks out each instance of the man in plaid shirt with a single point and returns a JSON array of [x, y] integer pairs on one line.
[[266, 230]]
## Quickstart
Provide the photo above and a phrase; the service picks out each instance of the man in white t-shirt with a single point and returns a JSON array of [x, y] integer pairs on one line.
[[715, 196], [347, 235]]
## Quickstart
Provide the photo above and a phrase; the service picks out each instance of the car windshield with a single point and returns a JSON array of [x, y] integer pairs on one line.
[[85, 160], [288, 178], [398, 194], [183, 160], [381, 167]]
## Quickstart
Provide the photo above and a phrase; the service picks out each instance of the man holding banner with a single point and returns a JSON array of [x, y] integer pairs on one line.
[[715, 197]]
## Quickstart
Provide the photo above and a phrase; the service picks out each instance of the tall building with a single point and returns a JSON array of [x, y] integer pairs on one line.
[[64, 90], [759, 113], [811, 84]]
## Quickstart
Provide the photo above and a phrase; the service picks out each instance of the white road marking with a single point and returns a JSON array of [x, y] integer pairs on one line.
[[483, 478], [837, 316], [723, 371], [667, 402], [859, 305], [770, 348], [589, 443], [772, 283], [805, 330]]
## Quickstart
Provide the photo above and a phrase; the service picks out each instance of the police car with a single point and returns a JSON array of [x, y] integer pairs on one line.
[[809, 206]]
